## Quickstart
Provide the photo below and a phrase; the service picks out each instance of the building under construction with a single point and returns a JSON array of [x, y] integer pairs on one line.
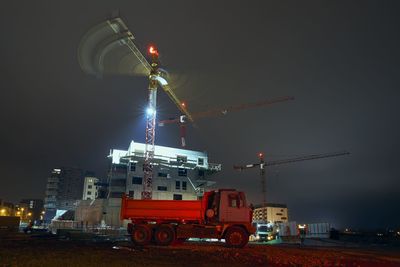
[[178, 174]]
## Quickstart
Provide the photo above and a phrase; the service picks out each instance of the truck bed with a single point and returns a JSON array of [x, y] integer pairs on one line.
[[162, 210]]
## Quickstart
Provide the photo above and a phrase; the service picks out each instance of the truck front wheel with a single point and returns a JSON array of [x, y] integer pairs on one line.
[[164, 235], [141, 235], [236, 237]]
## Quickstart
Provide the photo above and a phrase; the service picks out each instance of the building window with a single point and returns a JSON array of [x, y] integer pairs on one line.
[[137, 180], [279, 213], [178, 185], [131, 194], [184, 185], [161, 188], [200, 161], [283, 218], [181, 159], [89, 186], [162, 174], [177, 197], [133, 167], [182, 172], [89, 192]]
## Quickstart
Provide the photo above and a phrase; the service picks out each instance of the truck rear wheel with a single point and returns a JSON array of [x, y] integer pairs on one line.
[[236, 237], [164, 235], [141, 235]]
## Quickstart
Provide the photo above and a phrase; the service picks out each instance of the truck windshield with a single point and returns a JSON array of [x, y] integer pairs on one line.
[[264, 229]]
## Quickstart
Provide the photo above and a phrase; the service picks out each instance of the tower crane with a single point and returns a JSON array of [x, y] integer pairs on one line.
[[113, 37], [182, 120], [263, 164]]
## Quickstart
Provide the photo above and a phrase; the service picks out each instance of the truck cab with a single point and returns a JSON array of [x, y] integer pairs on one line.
[[227, 205], [266, 231]]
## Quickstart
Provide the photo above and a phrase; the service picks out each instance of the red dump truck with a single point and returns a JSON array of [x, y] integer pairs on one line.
[[220, 214]]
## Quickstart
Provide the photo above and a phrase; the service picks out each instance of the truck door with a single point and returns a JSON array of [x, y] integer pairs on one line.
[[233, 207]]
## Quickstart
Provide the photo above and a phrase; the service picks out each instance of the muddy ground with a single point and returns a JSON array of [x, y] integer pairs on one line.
[[29, 251]]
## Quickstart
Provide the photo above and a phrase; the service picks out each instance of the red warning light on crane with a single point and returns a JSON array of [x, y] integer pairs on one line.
[[183, 104], [261, 155], [153, 50]]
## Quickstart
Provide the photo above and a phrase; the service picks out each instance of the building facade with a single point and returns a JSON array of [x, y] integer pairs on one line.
[[90, 187], [272, 213], [178, 174], [64, 188]]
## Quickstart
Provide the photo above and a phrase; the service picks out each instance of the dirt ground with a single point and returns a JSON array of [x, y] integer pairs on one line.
[[30, 251]]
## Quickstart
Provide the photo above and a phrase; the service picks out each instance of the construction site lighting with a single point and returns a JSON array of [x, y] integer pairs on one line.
[[29, 214], [302, 226], [3, 211], [162, 81], [150, 111]]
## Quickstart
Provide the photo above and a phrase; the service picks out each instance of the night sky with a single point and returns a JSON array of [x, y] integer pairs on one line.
[[339, 59]]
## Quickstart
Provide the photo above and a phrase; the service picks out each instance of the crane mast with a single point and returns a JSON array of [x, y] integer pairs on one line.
[[150, 138], [150, 127]]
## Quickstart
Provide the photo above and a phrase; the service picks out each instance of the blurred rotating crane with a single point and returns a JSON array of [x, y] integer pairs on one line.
[[182, 120], [108, 48]]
